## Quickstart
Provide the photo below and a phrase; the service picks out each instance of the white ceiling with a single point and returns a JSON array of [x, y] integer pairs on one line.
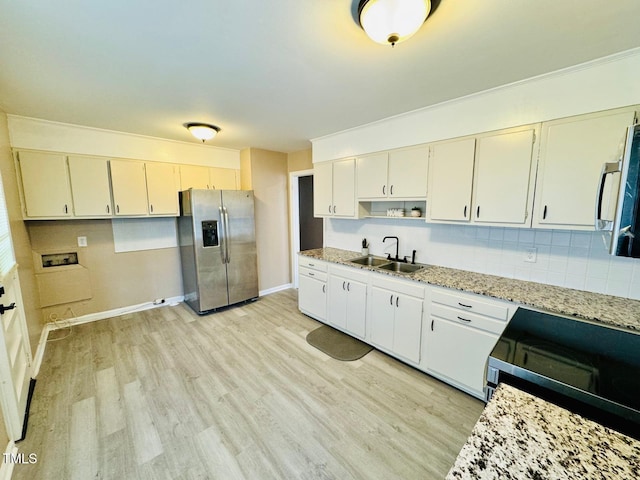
[[276, 73]]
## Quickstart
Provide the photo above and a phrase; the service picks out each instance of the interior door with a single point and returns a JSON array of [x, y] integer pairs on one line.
[[15, 352]]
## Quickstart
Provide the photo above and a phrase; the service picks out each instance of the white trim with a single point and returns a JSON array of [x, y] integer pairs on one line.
[[42, 344], [279, 288], [93, 317], [294, 220], [6, 468]]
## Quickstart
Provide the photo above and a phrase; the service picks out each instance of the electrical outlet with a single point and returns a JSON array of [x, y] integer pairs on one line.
[[531, 255], [82, 241]]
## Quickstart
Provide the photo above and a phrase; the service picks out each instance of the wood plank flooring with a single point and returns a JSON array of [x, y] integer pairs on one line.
[[238, 394]]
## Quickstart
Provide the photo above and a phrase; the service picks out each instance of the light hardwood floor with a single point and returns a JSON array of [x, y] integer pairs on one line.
[[165, 394]]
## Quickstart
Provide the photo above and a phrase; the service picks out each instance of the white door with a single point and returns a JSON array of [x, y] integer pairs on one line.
[[502, 178], [90, 186], [408, 173], [450, 180], [15, 352], [162, 188], [322, 189], [344, 188]]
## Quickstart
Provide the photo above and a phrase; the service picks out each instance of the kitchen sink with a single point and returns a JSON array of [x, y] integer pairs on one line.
[[370, 261], [400, 267]]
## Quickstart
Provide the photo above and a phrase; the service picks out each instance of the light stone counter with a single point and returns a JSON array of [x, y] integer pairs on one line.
[[520, 436], [615, 311]]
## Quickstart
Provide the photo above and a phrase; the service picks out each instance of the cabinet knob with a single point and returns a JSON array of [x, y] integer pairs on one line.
[[108, 209], [151, 207], [465, 212], [391, 190], [343, 285], [391, 300], [66, 209], [384, 189], [478, 212], [544, 213], [334, 209]]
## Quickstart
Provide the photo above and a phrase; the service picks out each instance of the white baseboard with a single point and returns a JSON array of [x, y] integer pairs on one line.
[[6, 467], [92, 317], [279, 288]]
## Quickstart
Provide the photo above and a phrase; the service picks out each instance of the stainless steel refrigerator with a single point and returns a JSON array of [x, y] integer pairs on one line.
[[216, 232]]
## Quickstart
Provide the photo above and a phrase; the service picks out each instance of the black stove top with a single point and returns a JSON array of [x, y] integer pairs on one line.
[[586, 367]]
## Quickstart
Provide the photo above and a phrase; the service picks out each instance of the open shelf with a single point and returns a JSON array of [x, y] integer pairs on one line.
[[378, 209]]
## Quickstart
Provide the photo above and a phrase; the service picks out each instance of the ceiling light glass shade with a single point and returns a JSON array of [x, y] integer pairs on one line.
[[202, 131], [392, 21]]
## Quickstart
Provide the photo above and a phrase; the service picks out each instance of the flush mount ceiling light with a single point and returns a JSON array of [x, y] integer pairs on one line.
[[392, 21], [202, 131]]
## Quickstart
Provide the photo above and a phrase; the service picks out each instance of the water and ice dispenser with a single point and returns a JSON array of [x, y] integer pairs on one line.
[[210, 233]]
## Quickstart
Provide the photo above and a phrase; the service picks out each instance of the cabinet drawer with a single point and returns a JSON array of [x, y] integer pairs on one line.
[[467, 318], [309, 262], [307, 272], [470, 303], [406, 287], [351, 273]]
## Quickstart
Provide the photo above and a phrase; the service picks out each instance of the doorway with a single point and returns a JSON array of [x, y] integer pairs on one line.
[[307, 232]]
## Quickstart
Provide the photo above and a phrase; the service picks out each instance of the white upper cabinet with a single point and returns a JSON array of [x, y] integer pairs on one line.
[[450, 180], [372, 171], [408, 173], [572, 152], [222, 178], [194, 176], [334, 188], [162, 188], [486, 179], [90, 186], [503, 179], [398, 174], [45, 185], [129, 187]]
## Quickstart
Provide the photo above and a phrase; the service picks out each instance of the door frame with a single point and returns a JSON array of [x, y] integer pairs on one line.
[[294, 220]]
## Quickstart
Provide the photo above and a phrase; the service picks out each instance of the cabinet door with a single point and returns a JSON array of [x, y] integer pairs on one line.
[[312, 298], [459, 353], [337, 302], [45, 184], [372, 176], [162, 188], [356, 308], [450, 180], [128, 184], [382, 317], [572, 152], [407, 327], [193, 176], [344, 188], [222, 178], [322, 189], [502, 178], [90, 186], [408, 173]]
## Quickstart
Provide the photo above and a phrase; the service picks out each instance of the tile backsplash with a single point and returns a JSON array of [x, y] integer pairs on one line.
[[572, 259]]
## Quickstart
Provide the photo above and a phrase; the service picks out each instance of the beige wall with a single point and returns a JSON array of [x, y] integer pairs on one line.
[[117, 279], [265, 172], [21, 241], [301, 160]]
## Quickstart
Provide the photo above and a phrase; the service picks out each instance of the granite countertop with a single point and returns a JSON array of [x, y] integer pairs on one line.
[[614, 311], [521, 436]]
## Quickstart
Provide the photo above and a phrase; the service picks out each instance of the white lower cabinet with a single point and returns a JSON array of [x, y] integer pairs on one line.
[[461, 331], [312, 287], [396, 316], [347, 301]]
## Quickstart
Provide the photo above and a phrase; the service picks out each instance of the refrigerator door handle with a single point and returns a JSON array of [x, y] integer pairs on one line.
[[223, 235], [226, 232]]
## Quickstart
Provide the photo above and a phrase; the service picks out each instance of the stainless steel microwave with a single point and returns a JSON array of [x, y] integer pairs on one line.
[[624, 224]]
